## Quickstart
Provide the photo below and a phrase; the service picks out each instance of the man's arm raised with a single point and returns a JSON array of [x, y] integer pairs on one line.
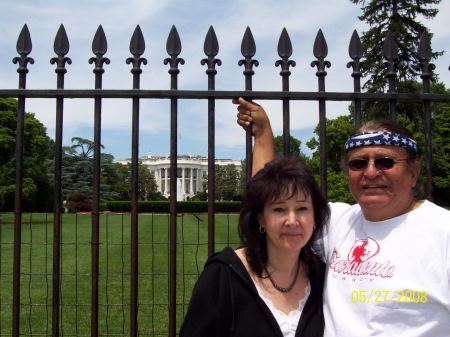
[[250, 113]]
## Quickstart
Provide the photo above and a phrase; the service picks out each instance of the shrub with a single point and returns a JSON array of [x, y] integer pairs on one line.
[[182, 206], [78, 202]]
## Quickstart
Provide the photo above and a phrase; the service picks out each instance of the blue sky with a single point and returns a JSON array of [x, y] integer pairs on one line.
[[266, 18]]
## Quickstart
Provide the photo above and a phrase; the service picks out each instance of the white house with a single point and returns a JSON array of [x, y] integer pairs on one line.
[[190, 172]]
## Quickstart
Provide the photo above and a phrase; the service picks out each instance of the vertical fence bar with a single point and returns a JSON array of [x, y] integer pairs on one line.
[[76, 278], [390, 52], [137, 47], [320, 52], [95, 204], [425, 54], [18, 207], [285, 51], [173, 47], [355, 52], [30, 268], [107, 238], [248, 50], [24, 47], [211, 49], [61, 48], [46, 276], [99, 48]]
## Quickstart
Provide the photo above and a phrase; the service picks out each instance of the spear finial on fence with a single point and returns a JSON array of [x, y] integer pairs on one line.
[[425, 53], [173, 47], [23, 47], [61, 48], [390, 53], [248, 50], [99, 48], [285, 51], [211, 49], [320, 51], [137, 48], [355, 52]]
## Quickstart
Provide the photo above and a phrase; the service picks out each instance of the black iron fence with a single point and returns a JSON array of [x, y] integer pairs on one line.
[[136, 94]]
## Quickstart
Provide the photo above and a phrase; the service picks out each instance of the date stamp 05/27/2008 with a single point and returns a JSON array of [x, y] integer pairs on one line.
[[390, 296]]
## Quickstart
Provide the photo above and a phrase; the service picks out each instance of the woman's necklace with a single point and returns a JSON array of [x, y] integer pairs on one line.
[[281, 289]]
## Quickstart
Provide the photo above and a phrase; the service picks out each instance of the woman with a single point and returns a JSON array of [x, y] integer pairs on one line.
[[272, 285]]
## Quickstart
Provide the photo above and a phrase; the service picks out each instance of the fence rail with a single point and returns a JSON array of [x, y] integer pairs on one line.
[[220, 94], [136, 94]]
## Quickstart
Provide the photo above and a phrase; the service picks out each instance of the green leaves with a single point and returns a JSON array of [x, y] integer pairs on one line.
[[38, 149], [227, 182], [400, 19]]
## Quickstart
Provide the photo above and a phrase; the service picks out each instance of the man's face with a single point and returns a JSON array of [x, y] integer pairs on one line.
[[382, 193]]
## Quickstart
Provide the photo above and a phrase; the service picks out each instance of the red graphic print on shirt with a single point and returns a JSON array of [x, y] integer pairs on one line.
[[360, 261]]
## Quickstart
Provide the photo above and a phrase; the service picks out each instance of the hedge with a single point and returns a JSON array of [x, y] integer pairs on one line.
[[182, 206]]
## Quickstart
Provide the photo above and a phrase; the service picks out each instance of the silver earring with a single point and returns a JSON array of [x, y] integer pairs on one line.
[[262, 229]]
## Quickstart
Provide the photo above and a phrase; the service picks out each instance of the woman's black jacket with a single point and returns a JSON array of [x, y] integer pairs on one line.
[[225, 302]]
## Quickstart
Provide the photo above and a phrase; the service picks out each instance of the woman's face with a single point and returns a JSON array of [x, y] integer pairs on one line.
[[288, 223]]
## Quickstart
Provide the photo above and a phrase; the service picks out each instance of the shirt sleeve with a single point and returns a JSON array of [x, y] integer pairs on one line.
[[321, 246]]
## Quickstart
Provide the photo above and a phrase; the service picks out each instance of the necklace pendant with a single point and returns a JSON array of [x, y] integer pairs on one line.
[[281, 289]]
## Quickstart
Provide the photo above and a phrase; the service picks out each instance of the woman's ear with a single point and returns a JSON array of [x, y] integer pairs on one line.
[[261, 220]]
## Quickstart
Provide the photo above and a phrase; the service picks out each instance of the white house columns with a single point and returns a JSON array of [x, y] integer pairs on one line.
[[190, 173]]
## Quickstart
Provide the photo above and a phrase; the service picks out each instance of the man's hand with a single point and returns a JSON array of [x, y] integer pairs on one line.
[[250, 113], [253, 114]]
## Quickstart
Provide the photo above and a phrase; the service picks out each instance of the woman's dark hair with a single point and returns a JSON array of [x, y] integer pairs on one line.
[[278, 178]]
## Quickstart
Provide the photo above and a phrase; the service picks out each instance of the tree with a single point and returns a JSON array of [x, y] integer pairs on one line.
[[338, 190], [441, 149], [294, 147], [78, 202], [399, 18], [200, 196], [77, 170], [338, 130], [147, 184], [227, 182], [121, 184], [37, 188], [294, 150]]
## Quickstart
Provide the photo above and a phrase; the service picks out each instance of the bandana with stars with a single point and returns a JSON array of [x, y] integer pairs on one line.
[[380, 138]]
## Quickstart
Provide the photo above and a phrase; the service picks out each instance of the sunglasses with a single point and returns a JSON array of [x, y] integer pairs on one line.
[[382, 164]]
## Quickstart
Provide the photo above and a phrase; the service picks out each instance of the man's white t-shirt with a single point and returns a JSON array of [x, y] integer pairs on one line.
[[387, 278]]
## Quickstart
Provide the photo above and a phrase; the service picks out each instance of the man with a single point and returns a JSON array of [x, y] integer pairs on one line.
[[388, 256]]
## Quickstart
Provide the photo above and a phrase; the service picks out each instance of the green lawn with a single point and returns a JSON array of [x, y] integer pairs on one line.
[[114, 281]]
